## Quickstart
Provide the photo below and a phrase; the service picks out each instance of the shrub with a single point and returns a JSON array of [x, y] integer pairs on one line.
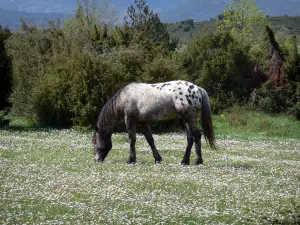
[[71, 91], [131, 61], [5, 70], [218, 63], [162, 69], [273, 98]]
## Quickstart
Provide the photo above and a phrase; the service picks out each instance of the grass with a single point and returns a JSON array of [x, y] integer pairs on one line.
[[244, 123], [49, 177]]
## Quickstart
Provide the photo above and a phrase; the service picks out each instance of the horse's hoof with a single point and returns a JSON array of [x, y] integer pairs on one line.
[[197, 163], [98, 161], [158, 160], [131, 161], [185, 163]]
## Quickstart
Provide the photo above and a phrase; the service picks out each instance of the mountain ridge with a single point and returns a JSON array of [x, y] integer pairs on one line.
[[11, 18], [198, 10]]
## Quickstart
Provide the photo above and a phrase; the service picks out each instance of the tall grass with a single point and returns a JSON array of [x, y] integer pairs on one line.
[[243, 122]]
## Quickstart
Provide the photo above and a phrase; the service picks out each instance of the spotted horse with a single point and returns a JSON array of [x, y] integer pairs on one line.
[[142, 103]]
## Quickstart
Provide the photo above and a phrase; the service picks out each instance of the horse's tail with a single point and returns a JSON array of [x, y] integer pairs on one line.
[[206, 120]]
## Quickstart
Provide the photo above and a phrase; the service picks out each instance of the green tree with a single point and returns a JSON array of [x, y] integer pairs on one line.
[[92, 24], [147, 25], [244, 20], [62, 75], [74, 87], [91, 12], [219, 64], [5, 70], [188, 25], [32, 51], [292, 68], [5, 76]]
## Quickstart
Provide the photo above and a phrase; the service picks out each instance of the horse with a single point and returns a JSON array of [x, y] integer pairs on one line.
[[142, 103]]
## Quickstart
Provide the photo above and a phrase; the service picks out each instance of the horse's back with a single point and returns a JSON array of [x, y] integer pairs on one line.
[[160, 101], [148, 102]]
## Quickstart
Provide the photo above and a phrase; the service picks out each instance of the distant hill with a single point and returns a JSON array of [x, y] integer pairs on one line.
[[201, 10], [169, 11], [283, 26], [12, 18], [44, 6]]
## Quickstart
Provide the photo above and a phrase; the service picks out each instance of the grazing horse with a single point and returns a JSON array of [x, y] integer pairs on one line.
[[141, 103]]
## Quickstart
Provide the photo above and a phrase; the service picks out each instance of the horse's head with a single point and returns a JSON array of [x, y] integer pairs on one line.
[[102, 144]]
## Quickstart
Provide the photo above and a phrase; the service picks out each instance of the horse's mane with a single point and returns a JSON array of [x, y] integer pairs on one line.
[[108, 110]]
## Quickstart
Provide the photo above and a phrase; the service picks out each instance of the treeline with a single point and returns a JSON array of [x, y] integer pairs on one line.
[[62, 75]]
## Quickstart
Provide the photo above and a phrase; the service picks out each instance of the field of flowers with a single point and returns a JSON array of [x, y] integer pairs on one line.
[[49, 177]]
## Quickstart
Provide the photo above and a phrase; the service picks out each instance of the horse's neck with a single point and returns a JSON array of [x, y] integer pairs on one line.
[[107, 128], [107, 122]]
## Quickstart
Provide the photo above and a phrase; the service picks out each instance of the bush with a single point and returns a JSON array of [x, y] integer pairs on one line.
[[73, 89], [131, 61], [62, 76], [3, 121], [273, 98], [162, 69], [5, 70], [218, 63]]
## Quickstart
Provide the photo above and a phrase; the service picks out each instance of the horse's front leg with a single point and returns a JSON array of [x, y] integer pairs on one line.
[[148, 135], [131, 128]]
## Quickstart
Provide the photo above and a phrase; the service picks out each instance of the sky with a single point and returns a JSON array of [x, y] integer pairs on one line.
[[169, 10], [69, 5]]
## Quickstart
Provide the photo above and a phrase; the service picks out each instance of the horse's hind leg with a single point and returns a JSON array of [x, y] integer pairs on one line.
[[190, 141], [148, 135], [197, 137], [131, 128]]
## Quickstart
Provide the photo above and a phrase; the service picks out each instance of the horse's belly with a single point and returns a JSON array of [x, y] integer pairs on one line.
[[155, 112]]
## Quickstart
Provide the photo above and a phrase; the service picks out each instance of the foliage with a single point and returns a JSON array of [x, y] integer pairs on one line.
[[32, 51], [162, 69], [72, 90], [96, 12], [64, 73], [187, 25], [62, 76], [5, 70], [218, 63], [274, 98], [292, 66], [4, 122], [281, 93], [284, 26], [147, 25], [244, 20]]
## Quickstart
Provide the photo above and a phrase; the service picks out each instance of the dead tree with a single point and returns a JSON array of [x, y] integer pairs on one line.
[[275, 59]]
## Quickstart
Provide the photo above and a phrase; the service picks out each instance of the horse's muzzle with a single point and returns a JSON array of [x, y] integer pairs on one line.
[[100, 157]]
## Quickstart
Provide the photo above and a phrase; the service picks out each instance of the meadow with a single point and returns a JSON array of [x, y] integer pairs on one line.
[[48, 176]]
